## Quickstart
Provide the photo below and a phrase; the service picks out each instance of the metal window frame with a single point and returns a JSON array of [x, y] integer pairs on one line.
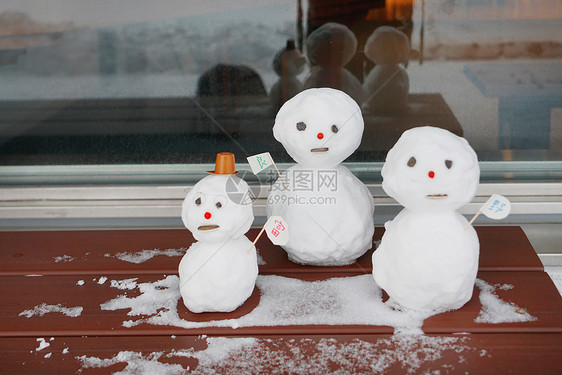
[[150, 196]]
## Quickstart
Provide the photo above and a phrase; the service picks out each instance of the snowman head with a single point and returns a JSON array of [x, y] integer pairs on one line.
[[218, 208], [319, 127], [431, 169]]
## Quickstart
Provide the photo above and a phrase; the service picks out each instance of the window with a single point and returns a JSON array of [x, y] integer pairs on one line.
[[103, 100], [97, 83]]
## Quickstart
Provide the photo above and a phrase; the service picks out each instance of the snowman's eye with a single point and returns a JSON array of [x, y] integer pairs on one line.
[[301, 126], [448, 164], [198, 201], [411, 162], [335, 128], [220, 201]]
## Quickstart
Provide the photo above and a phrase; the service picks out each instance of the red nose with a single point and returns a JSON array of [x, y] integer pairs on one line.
[[320, 135], [431, 174], [207, 215]]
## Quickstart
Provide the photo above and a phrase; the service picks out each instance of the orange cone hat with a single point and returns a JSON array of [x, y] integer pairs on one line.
[[224, 164]]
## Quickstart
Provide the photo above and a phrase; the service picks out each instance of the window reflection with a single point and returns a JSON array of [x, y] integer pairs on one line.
[[177, 82]]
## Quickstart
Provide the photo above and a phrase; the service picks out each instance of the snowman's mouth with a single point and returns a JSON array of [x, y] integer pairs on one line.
[[436, 196], [206, 228], [319, 149]]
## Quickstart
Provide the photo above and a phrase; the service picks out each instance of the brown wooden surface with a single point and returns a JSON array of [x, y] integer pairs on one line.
[[501, 249], [535, 292], [484, 353], [506, 258]]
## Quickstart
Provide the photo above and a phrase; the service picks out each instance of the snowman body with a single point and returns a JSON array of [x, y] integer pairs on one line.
[[218, 276], [329, 211], [427, 260], [331, 221], [219, 271], [443, 277]]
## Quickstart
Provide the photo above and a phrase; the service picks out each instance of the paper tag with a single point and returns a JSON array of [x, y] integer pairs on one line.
[[277, 230], [260, 162], [497, 207]]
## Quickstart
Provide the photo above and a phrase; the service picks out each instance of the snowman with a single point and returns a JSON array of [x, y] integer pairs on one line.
[[219, 271], [427, 260], [329, 211]]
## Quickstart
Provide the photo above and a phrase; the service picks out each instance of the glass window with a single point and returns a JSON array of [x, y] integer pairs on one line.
[[175, 82]]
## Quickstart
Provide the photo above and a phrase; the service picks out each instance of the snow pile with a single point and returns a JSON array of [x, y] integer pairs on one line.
[[284, 301], [129, 284], [494, 310], [63, 258], [260, 260], [555, 274], [144, 255], [302, 356], [137, 363], [43, 309], [42, 344], [163, 294]]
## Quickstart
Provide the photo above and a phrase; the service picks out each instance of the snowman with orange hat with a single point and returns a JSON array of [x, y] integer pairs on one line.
[[218, 273]]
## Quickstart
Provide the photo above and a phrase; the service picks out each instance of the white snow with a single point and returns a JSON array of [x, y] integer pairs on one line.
[[129, 284], [260, 260], [64, 258], [428, 256], [102, 280], [296, 356], [80, 282], [144, 255], [555, 274], [42, 344], [286, 301], [48, 355], [319, 128], [218, 272], [137, 363], [43, 309], [65, 351], [494, 310]]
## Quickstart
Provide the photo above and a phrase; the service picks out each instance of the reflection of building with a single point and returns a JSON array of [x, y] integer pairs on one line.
[[362, 17]]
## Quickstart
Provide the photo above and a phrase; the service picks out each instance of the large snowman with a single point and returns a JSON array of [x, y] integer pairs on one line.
[[218, 273], [427, 260], [329, 211]]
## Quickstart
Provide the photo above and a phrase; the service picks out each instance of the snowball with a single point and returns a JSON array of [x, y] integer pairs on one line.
[[218, 277], [428, 151], [319, 109], [224, 199]]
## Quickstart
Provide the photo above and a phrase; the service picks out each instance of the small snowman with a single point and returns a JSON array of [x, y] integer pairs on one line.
[[219, 271], [329, 211], [427, 260]]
